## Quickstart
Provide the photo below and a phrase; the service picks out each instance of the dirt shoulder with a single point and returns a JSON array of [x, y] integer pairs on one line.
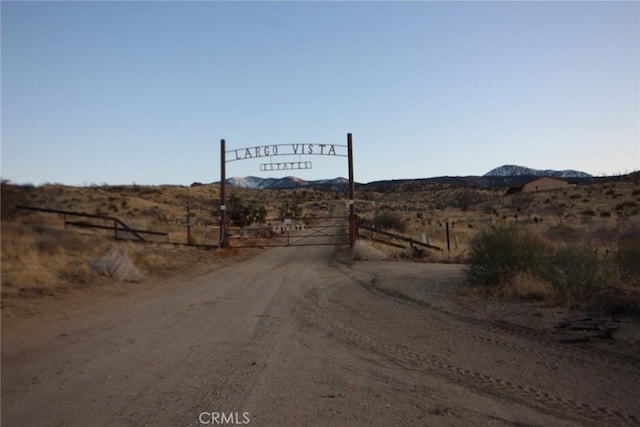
[[442, 286], [174, 267]]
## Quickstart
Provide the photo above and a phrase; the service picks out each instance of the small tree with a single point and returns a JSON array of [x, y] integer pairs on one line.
[[244, 214], [465, 198], [289, 210]]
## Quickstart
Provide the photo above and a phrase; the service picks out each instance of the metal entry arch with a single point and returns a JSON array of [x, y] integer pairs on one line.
[[284, 150]]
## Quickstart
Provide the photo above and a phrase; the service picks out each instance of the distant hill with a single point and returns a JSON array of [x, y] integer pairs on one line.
[[288, 182], [514, 170], [503, 176]]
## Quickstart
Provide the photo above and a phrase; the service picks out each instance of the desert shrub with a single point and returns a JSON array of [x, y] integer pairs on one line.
[[520, 264], [517, 263], [624, 205], [627, 257], [578, 275], [496, 255], [386, 220]]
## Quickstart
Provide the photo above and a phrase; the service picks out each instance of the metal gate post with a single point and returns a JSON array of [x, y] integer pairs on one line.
[[223, 206], [352, 206]]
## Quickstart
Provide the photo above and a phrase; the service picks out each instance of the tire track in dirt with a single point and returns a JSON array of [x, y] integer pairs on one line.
[[625, 360], [231, 391], [484, 383], [414, 357], [291, 278], [625, 364]]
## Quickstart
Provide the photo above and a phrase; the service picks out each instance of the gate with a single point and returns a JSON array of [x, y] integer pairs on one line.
[[303, 231], [289, 231]]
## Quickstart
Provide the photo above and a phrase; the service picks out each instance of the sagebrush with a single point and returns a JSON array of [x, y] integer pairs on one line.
[[572, 274]]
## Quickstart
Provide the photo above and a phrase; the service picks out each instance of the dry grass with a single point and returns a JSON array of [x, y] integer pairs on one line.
[[528, 287], [41, 260], [364, 252], [38, 260], [39, 255]]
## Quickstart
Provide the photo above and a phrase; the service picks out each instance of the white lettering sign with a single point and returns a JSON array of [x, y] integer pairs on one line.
[[288, 226]]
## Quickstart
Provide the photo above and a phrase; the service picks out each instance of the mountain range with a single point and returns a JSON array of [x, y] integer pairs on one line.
[[505, 175], [287, 182], [514, 170]]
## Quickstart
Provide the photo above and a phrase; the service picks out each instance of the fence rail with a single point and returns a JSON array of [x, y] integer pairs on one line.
[[82, 224], [118, 225], [394, 236]]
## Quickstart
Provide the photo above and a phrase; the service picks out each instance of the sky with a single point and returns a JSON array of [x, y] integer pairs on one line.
[[143, 92]]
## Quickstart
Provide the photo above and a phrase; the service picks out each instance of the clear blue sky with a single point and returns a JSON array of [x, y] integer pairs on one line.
[[122, 92]]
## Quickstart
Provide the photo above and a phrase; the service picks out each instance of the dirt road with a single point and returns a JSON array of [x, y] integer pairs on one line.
[[292, 336]]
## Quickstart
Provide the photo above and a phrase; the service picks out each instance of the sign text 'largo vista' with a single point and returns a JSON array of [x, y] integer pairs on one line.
[[287, 150]]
